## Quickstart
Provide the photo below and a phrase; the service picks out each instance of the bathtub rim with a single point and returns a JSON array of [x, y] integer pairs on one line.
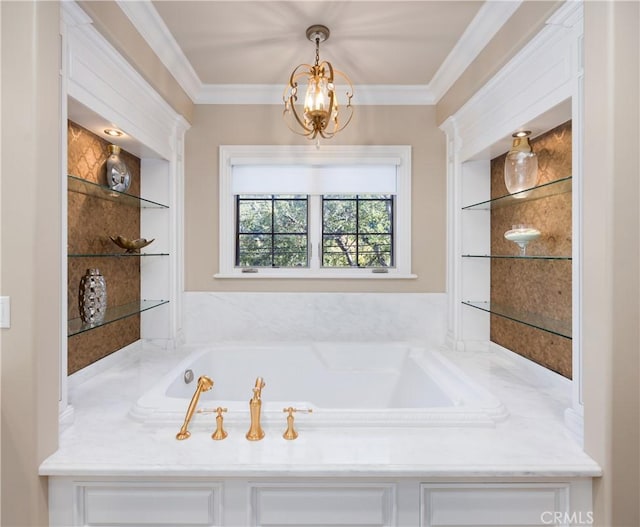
[[476, 407]]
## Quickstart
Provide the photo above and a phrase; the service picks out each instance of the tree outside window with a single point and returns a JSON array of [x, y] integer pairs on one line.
[[271, 231], [357, 231]]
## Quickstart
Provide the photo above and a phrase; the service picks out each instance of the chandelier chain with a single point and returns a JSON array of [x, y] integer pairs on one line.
[[317, 51]]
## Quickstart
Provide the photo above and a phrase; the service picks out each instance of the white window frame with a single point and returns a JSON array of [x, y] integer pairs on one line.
[[338, 155]]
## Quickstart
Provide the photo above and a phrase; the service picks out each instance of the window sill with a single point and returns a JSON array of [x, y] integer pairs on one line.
[[310, 275]]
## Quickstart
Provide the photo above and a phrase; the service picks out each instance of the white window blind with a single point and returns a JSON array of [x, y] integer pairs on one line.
[[314, 180]]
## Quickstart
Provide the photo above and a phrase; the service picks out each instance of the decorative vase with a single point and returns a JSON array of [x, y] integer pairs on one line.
[[521, 166], [92, 297], [118, 176]]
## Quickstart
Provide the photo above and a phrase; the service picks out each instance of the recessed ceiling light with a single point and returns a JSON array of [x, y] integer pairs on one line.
[[113, 132]]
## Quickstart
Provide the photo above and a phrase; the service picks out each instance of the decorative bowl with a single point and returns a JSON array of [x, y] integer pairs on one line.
[[522, 235], [131, 246]]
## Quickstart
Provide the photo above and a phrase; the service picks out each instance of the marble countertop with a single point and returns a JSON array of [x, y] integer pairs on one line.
[[532, 442]]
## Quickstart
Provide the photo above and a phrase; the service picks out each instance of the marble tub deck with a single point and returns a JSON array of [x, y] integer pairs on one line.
[[532, 442]]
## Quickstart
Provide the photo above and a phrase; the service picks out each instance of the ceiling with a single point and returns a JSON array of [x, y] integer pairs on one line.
[[425, 44]]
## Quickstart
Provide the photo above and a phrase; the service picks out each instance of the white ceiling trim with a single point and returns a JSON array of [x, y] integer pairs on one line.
[[489, 19], [146, 19], [487, 22], [365, 95]]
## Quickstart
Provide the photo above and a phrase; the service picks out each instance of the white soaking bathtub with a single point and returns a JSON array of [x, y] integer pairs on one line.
[[352, 384]]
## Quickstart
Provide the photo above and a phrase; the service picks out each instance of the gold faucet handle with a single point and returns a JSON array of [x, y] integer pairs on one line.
[[290, 433], [220, 432], [291, 410], [205, 411], [257, 390]]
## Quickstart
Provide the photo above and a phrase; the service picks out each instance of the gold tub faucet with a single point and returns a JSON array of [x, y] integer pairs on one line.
[[256, 433], [204, 384]]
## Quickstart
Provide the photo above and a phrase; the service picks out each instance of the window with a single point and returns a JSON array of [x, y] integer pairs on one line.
[[357, 231], [337, 212], [271, 231]]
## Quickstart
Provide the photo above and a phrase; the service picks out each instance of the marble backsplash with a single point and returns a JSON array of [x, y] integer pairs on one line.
[[352, 317]]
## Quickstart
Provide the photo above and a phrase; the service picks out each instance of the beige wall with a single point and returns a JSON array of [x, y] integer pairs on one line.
[[109, 19], [611, 257], [229, 125], [30, 249]]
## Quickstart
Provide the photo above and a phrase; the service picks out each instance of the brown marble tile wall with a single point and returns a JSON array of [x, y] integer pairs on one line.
[[90, 223], [535, 287]]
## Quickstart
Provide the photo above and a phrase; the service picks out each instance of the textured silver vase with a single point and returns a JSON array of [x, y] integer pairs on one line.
[[118, 176], [92, 297]]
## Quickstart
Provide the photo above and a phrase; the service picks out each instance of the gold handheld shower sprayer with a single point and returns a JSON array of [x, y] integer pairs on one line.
[[204, 384]]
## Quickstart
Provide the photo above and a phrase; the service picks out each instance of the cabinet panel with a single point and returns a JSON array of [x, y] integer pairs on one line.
[[127, 505], [492, 505], [323, 505]]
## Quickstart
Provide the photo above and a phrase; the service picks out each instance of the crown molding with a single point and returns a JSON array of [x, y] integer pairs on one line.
[[489, 19], [73, 14], [146, 19], [568, 15], [366, 95]]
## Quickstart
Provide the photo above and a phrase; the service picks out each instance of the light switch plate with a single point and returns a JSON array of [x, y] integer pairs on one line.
[[5, 312]]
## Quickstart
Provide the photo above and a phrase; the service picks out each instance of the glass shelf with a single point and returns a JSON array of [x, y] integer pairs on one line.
[[114, 255], [517, 256], [559, 186], [534, 320], [83, 186], [76, 326]]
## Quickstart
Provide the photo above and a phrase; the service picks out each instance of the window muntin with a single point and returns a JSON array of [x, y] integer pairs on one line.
[[357, 231], [272, 231]]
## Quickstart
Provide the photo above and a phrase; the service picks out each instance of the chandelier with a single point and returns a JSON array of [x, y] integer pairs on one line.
[[320, 115]]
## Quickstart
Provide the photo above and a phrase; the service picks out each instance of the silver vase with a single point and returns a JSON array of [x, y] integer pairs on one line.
[[92, 297], [118, 176]]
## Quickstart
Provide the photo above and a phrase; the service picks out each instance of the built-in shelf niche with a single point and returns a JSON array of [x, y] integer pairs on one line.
[[122, 311], [533, 319]]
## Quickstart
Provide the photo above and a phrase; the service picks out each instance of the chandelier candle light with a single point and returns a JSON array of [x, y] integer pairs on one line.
[[320, 115]]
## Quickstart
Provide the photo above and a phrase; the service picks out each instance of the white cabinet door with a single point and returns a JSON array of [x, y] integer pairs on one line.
[[494, 504], [316, 504]]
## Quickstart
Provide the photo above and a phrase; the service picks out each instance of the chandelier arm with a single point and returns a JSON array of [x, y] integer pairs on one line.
[[330, 68], [293, 78], [293, 97]]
